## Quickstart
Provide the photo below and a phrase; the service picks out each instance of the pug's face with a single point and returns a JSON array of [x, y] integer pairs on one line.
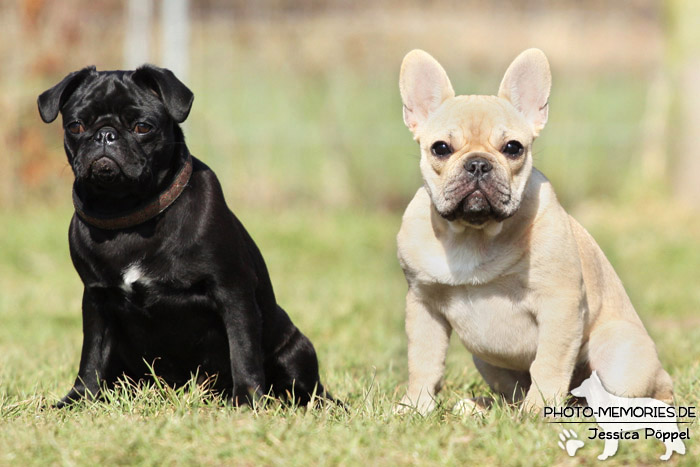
[[476, 151], [121, 127]]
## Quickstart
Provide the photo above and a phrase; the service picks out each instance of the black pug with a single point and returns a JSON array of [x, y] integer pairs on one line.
[[172, 279]]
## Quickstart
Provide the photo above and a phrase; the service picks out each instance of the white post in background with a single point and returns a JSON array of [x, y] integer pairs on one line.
[[175, 25], [687, 56], [137, 43]]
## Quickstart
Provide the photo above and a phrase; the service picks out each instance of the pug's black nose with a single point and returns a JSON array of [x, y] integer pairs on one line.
[[105, 169], [478, 166], [106, 135]]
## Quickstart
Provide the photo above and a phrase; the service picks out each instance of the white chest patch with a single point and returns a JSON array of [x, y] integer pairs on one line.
[[133, 274]]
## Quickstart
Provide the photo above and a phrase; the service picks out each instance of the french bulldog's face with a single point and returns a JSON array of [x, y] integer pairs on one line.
[[476, 151], [120, 127]]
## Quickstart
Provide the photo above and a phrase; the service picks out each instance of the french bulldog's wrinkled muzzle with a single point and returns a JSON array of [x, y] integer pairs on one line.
[[478, 192]]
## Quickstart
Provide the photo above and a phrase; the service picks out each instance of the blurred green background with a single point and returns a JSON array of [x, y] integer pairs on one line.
[[298, 102], [297, 110]]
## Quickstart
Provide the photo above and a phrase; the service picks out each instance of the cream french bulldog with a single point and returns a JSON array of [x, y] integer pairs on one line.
[[489, 252]]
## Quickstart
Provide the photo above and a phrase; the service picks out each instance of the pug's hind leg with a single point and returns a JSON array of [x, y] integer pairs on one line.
[[292, 370]]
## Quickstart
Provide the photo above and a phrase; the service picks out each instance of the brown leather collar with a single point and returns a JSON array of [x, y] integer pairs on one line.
[[142, 213]]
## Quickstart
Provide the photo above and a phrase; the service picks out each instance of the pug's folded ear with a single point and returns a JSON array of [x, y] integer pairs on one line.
[[424, 85], [51, 100], [175, 95]]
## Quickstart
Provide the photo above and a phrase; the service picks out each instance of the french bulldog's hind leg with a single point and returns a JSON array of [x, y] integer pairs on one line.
[[625, 358], [512, 385], [472, 406]]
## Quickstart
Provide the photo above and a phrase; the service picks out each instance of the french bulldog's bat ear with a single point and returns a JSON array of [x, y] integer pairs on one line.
[[175, 95], [424, 85], [526, 85], [51, 100]]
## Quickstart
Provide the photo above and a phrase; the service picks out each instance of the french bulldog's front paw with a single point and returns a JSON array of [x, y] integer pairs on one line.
[[533, 403], [422, 404]]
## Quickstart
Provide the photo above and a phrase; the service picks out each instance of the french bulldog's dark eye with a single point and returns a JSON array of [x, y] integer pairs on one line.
[[142, 128], [512, 148], [441, 149], [76, 128]]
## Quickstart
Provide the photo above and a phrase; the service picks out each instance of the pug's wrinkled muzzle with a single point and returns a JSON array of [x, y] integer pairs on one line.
[[105, 171]]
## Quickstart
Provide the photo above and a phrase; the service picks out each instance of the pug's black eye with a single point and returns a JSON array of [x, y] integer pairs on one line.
[[142, 128], [441, 149], [76, 128], [512, 149]]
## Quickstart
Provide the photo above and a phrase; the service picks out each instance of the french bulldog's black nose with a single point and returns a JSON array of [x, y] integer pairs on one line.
[[106, 135], [478, 166]]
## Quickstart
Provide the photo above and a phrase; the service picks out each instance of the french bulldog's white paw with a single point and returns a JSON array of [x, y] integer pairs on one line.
[[532, 403], [570, 442], [423, 404], [469, 407]]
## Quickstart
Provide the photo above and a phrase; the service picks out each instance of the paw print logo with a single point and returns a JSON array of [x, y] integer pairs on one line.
[[569, 442]]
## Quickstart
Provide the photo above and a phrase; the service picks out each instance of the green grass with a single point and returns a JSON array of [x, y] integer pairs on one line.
[[335, 272], [319, 166]]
